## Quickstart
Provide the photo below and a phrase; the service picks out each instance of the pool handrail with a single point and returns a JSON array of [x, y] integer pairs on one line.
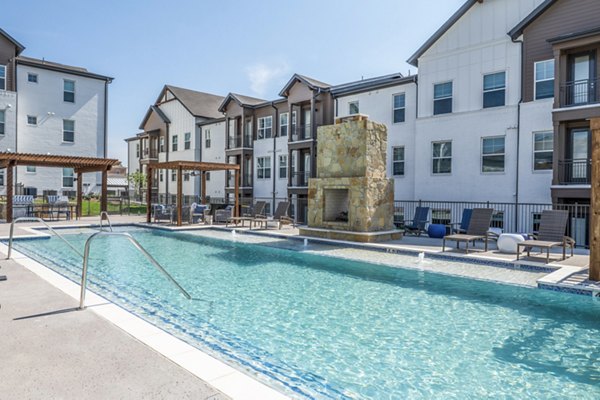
[[102, 214], [36, 219], [137, 245]]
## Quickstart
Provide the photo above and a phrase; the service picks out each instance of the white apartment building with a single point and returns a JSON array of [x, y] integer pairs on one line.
[[50, 108]]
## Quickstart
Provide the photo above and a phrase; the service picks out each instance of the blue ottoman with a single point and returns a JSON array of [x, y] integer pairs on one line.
[[436, 231]]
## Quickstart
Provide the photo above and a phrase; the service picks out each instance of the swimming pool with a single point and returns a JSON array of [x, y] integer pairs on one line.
[[320, 327]]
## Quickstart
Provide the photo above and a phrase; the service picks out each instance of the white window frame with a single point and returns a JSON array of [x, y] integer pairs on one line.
[[63, 131], [31, 74], [173, 175], [451, 97], [137, 150], [2, 122], [2, 178], [36, 120], [70, 176], [3, 69], [545, 170], [30, 169], [68, 91], [355, 103], [433, 159], [161, 144], [263, 167], [503, 88], [187, 141], [403, 161], [286, 124], [174, 143], [394, 108], [283, 166], [207, 142], [161, 175], [535, 80], [482, 156], [262, 127]]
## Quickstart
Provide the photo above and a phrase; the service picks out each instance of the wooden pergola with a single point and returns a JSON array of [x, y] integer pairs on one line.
[[80, 166], [181, 166]]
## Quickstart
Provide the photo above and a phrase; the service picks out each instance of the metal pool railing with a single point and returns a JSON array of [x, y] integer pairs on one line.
[[102, 215], [138, 246]]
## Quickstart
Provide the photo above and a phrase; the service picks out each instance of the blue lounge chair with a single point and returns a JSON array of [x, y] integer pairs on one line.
[[463, 225], [417, 225]]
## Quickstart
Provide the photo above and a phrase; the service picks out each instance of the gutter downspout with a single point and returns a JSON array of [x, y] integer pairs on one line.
[[273, 175], [520, 42], [106, 118]]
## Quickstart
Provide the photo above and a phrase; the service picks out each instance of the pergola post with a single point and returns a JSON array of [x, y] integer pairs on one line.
[[203, 188], [104, 194], [9, 192], [594, 273], [236, 211], [149, 173], [79, 194], [179, 196]]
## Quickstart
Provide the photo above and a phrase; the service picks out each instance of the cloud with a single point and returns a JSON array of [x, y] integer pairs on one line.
[[262, 76]]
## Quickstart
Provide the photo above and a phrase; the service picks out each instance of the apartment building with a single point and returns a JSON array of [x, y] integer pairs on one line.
[[50, 108]]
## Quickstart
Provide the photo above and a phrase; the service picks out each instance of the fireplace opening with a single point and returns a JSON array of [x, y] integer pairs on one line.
[[336, 205]]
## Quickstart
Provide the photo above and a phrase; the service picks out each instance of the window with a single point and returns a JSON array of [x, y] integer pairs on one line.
[[441, 216], [33, 78], [207, 176], [544, 79], [31, 170], [161, 144], [497, 220], [1, 178], [399, 107], [265, 125], [173, 175], [207, 138], [161, 175], [68, 178], [543, 146], [263, 167], [68, 131], [282, 167], [442, 98], [494, 90], [398, 161], [2, 78], [137, 150], [186, 177], [442, 157], [2, 121], [69, 91], [31, 120], [174, 140], [492, 155], [353, 108], [284, 122], [187, 140]]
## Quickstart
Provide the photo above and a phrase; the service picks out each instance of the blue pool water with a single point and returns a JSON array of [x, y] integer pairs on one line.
[[325, 328]]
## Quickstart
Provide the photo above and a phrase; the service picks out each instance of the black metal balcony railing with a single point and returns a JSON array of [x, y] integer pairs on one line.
[[300, 179], [237, 142], [580, 92], [301, 132], [149, 154], [573, 172]]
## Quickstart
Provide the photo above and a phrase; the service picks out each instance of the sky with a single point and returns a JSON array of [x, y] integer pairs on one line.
[[247, 47]]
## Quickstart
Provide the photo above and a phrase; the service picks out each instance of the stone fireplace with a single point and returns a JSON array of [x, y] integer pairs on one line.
[[351, 198]]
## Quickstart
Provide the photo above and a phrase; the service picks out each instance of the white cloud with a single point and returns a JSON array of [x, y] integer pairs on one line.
[[262, 76]]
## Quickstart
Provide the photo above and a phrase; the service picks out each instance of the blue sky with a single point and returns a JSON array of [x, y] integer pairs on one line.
[[248, 47]]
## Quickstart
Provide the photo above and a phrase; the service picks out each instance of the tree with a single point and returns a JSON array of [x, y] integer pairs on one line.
[[138, 180]]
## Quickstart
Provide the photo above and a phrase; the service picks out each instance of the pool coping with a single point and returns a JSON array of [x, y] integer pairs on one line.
[[228, 380]]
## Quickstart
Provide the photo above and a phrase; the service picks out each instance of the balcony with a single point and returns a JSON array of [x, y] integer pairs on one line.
[[149, 154], [246, 181], [575, 172], [579, 93], [237, 142], [300, 179], [301, 132]]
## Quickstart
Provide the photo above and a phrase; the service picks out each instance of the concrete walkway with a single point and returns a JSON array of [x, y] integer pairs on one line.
[[50, 351]]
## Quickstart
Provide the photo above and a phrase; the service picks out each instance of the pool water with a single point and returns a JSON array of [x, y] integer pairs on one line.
[[326, 328]]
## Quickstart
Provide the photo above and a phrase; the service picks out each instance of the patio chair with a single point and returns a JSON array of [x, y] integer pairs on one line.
[[481, 218], [22, 205], [256, 212], [197, 212], [223, 215], [551, 234], [280, 216], [463, 225], [417, 224], [162, 212]]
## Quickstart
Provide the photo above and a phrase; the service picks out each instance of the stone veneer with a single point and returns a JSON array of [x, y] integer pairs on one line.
[[352, 156]]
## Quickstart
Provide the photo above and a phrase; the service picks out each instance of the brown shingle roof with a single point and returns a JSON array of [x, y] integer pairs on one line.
[[199, 104], [35, 62]]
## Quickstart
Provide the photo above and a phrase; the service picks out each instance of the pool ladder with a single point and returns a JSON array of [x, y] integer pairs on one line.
[[102, 215], [86, 254]]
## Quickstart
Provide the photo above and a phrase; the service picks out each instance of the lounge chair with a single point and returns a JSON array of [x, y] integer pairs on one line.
[[280, 216], [463, 225], [223, 215], [257, 211], [417, 224], [551, 234], [481, 218]]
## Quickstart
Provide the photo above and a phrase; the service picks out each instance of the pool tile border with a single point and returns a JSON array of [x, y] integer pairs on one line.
[[228, 380]]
